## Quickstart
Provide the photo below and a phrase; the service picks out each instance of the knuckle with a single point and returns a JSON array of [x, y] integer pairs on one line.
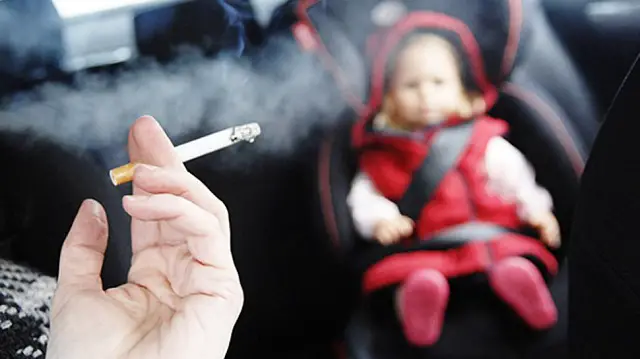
[[222, 211], [214, 224], [230, 289]]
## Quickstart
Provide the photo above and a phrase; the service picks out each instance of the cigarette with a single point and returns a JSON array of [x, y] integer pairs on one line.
[[196, 148]]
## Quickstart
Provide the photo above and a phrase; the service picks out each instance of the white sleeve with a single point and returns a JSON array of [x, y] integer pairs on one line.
[[368, 206], [512, 177]]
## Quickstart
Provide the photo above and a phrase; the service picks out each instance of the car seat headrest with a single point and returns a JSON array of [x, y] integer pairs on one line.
[[487, 33]]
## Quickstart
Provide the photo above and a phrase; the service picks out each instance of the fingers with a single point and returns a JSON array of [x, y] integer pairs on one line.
[[149, 144], [405, 226], [183, 219], [550, 233], [83, 250], [384, 236], [157, 180], [552, 237], [389, 235], [551, 230], [390, 232]]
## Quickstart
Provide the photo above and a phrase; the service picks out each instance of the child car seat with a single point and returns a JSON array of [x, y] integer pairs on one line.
[[540, 128]]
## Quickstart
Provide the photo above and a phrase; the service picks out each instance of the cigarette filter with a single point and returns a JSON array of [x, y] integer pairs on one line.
[[197, 148]]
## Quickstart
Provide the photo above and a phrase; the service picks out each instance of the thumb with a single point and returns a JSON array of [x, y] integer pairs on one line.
[[83, 250]]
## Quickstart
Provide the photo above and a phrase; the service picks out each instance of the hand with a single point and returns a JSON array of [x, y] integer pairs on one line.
[[183, 294], [392, 231], [548, 227]]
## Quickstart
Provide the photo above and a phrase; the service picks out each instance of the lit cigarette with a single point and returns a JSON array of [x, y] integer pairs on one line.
[[197, 148]]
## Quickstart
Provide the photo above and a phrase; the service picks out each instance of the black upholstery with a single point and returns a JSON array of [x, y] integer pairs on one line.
[[604, 265], [547, 65], [42, 186]]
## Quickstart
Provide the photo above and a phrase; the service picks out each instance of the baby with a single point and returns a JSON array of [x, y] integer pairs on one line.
[[490, 183]]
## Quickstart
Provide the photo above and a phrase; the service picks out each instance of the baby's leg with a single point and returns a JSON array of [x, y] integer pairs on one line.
[[519, 284], [421, 302]]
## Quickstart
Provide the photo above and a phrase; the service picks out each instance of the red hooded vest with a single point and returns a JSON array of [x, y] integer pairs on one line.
[[461, 196]]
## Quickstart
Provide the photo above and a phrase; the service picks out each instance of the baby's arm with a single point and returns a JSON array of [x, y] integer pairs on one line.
[[368, 206], [512, 176]]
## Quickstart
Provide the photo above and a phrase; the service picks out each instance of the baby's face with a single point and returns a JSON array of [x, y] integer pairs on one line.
[[426, 87]]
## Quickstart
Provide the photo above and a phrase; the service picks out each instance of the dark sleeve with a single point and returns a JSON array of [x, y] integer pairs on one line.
[[604, 258]]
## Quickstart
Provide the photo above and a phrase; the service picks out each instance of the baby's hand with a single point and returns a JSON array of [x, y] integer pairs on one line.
[[392, 231], [548, 227]]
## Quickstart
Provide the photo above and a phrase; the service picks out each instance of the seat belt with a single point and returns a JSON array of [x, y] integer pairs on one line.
[[461, 234], [448, 145]]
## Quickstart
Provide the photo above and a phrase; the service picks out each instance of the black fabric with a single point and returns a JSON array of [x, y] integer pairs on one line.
[[605, 271], [546, 65], [444, 153], [41, 188]]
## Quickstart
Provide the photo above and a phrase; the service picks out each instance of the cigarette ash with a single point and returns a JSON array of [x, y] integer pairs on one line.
[[282, 89]]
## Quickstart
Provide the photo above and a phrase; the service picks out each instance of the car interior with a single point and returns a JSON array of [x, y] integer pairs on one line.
[[292, 235]]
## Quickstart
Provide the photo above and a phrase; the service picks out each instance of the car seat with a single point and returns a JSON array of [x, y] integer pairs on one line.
[[42, 187], [555, 140]]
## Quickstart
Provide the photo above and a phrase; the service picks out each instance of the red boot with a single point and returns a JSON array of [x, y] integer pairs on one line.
[[519, 284], [422, 301]]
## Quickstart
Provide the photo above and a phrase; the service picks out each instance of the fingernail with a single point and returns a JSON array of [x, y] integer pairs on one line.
[[93, 206], [96, 210]]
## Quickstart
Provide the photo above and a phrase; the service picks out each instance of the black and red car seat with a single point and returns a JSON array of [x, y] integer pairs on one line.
[[506, 35]]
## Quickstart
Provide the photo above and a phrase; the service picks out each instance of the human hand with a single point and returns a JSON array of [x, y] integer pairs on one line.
[[183, 295], [547, 225], [392, 231]]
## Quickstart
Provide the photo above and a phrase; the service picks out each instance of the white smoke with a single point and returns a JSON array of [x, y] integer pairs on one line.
[[287, 93]]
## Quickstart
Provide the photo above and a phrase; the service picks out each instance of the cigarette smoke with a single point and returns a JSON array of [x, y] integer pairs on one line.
[[283, 89]]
